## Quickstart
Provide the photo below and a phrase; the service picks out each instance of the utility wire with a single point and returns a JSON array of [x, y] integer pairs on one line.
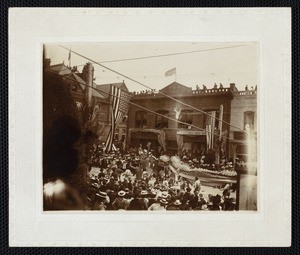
[[170, 54], [219, 74], [144, 108], [168, 96]]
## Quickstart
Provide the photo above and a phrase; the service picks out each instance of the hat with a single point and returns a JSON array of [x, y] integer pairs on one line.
[[127, 172], [163, 201], [95, 185], [153, 191], [144, 192], [177, 202], [164, 194], [101, 194], [121, 193]]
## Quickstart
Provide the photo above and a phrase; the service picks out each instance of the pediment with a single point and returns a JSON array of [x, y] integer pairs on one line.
[[176, 88]]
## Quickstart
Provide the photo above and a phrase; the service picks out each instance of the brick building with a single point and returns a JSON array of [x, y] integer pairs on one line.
[[164, 133]]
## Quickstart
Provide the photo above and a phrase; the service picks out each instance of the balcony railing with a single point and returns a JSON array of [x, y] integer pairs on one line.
[[213, 91]]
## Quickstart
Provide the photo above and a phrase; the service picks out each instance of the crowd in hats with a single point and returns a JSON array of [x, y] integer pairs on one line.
[[137, 181]]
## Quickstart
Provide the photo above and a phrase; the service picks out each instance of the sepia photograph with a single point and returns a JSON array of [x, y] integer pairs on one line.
[[150, 126]]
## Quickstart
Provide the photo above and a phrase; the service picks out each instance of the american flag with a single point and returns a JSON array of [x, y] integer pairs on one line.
[[120, 101]]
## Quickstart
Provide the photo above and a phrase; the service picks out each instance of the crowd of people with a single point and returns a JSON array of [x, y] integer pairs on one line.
[[139, 181]]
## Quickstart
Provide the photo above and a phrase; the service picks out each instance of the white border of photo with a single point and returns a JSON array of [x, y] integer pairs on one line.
[[29, 28]]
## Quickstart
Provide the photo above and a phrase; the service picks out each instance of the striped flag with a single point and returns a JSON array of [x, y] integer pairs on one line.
[[120, 101]]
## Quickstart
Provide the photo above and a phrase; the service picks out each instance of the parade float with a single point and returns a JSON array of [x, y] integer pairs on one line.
[[225, 174]]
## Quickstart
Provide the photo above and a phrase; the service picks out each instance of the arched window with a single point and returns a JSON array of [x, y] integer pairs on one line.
[[161, 122], [249, 120], [187, 117], [141, 119]]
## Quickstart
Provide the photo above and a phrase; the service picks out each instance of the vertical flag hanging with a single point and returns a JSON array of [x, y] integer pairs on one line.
[[210, 127], [120, 101], [213, 122]]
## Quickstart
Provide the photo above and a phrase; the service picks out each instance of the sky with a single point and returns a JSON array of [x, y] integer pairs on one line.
[[214, 63]]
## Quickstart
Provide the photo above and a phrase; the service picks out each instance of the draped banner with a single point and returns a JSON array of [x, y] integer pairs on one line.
[[162, 139], [210, 129], [179, 139]]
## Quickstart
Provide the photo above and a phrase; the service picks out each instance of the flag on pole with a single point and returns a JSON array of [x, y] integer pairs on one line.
[[171, 72], [120, 101]]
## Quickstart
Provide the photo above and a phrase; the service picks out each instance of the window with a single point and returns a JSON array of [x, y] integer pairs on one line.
[[161, 122], [141, 119], [210, 120], [248, 120], [187, 117]]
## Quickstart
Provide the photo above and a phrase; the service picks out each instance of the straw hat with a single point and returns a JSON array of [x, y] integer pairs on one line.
[[177, 202], [164, 194], [144, 192], [101, 194], [163, 201], [121, 193]]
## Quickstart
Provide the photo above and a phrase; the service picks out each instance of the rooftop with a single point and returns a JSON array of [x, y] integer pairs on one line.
[[177, 89]]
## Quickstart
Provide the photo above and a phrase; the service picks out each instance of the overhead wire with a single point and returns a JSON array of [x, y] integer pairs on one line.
[[148, 87], [170, 54]]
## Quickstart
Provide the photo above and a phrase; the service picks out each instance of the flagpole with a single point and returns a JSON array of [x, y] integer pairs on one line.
[[70, 58]]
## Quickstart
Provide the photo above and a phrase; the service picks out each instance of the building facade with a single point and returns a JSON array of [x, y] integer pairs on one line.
[[244, 125], [190, 131]]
